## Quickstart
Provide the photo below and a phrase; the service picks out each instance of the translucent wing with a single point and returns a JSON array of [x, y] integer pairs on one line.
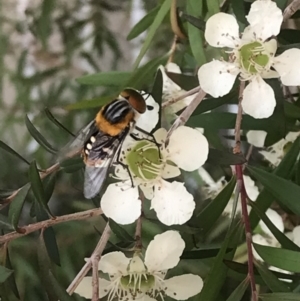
[[76, 145], [99, 159]]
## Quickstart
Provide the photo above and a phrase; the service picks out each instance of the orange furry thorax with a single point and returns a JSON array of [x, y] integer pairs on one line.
[[113, 129]]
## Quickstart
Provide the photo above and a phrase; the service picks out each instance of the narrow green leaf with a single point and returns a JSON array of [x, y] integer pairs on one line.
[[49, 185], [143, 24], [105, 79], [37, 188], [56, 122], [216, 156], [186, 82], [16, 205], [51, 245], [4, 273], [90, 103], [60, 292], [197, 22], [196, 37], [143, 75], [281, 258], [156, 93], [280, 297], [282, 238], [160, 15], [209, 215], [281, 3], [38, 137], [273, 283], [201, 254], [11, 151], [291, 110], [11, 280], [265, 198], [284, 191], [5, 223], [239, 292], [218, 272], [120, 232], [238, 8]]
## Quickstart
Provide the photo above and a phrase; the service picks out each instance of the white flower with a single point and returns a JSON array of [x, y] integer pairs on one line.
[[252, 56], [171, 90], [275, 152], [135, 279], [149, 166], [212, 189]]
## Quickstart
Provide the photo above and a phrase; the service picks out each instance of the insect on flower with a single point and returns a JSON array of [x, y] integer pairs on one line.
[[101, 140]]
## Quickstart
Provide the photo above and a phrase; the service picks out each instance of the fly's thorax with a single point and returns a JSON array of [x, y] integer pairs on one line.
[[113, 118]]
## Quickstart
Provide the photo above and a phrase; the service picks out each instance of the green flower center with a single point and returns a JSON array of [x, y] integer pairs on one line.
[[138, 283], [252, 58], [144, 160]]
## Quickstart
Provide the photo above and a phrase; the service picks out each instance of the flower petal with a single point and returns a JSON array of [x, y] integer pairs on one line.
[[251, 188], [276, 219], [287, 65], [258, 99], [164, 251], [114, 263], [85, 288], [187, 148], [222, 30], [296, 235], [148, 120], [256, 138], [147, 191], [172, 67], [170, 171], [122, 204], [217, 77], [184, 286], [173, 204], [160, 135], [265, 19]]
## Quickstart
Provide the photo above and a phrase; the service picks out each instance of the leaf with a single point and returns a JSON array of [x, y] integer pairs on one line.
[[196, 37], [160, 15], [90, 103], [289, 36], [5, 224], [281, 258], [280, 297], [11, 151], [273, 283], [281, 3], [284, 191], [38, 137], [56, 122], [60, 292], [4, 273], [239, 292], [106, 79], [143, 75], [210, 214], [218, 272], [16, 206], [186, 82], [120, 232], [197, 22], [156, 93], [283, 48], [265, 198], [216, 156], [281, 237], [37, 188], [143, 24], [49, 185], [51, 245], [239, 11], [11, 280], [201, 254]]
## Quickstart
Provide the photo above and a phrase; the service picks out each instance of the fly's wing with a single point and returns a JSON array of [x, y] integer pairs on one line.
[[76, 145], [99, 159]]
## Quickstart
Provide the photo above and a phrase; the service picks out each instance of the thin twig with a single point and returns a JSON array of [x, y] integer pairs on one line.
[[242, 189], [95, 278], [238, 122], [51, 222], [180, 97], [291, 9], [186, 114], [174, 21], [138, 228], [96, 254], [240, 181], [172, 50]]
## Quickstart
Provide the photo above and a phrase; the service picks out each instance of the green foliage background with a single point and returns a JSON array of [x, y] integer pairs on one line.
[[53, 93]]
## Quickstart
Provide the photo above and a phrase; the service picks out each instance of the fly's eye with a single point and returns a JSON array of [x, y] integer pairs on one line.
[[150, 108], [135, 99]]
